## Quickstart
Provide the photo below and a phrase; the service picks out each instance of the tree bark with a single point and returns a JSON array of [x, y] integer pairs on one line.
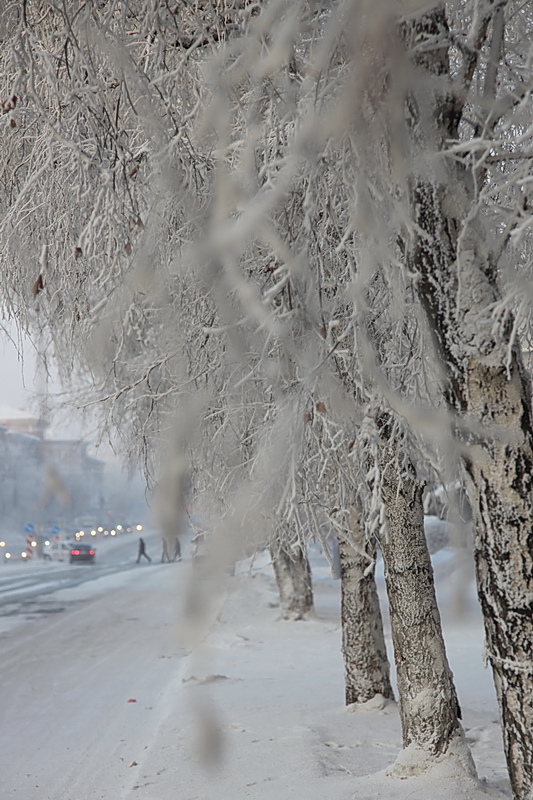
[[487, 392], [293, 578], [429, 709], [499, 480], [366, 666]]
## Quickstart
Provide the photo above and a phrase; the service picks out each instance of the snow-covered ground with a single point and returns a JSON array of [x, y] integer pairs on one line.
[[102, 699]]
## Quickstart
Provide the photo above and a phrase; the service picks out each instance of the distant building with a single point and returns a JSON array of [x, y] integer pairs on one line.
[[17, 420], [44, 480], [77, 476]]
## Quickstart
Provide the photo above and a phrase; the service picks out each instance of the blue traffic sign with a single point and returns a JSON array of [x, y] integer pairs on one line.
[[55, 530], [29, 528]]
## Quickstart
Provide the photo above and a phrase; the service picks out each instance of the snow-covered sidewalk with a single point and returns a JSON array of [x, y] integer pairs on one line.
[[258, 712]]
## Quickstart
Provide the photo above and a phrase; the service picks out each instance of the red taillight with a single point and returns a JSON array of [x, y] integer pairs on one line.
[[74, 552], [91, 552]]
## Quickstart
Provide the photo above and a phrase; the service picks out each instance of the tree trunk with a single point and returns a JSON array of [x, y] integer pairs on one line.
[[491, 394], [486, 390], [293, 578], [429, 709], [366, 666], [499, 480]]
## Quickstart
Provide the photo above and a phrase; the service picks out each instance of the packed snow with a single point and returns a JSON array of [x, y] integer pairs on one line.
[[104, 697]]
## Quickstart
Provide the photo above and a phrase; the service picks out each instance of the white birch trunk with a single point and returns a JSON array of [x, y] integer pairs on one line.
[[493, 399], [366, 666], [429, 709], [487, 391], [500, 490], [293, 578]]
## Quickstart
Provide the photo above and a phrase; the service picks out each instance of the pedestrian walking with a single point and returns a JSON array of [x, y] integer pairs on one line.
[[164, 554], [176, 555], [142, 551]]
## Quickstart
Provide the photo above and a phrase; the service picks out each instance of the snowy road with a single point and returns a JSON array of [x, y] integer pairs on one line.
[[22, 582], [83, 677]]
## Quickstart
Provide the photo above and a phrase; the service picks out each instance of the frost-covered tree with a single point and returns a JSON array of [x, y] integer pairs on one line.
[[366, 664], [452, 99], [231, 215], [112, 97], [429, 708]]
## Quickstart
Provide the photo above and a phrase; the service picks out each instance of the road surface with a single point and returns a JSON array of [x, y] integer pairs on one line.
[[83, 678], [22, 582]]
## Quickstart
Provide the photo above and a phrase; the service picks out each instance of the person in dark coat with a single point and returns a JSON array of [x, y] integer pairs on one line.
[[176, 555], [164, 554], [142, 551]]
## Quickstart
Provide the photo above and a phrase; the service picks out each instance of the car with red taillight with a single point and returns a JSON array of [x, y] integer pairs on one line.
[[82, 553]]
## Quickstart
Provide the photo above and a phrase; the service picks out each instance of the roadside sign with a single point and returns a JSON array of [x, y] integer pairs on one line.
[[29, 528], [55, 530]]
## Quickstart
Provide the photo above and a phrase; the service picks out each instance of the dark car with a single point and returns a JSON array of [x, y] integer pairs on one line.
[[82, 552]]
